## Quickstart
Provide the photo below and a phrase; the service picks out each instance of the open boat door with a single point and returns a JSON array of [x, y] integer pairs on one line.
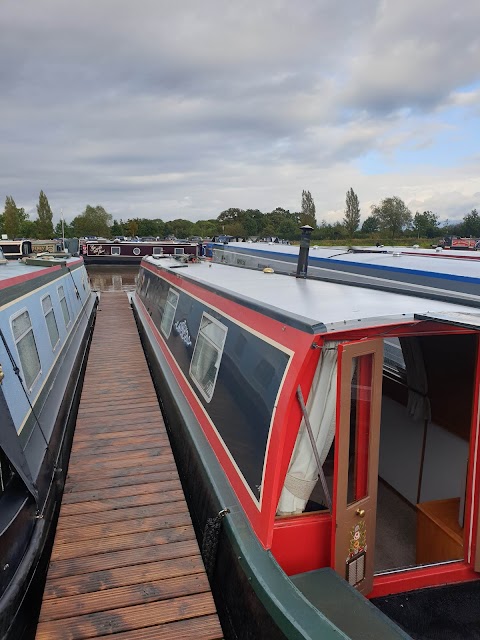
[[360, 366]]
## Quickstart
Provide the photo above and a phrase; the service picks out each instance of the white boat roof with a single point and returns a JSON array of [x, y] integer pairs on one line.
[[314, 305]]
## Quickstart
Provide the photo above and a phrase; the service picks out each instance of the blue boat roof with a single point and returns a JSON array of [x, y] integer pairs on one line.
[[459, 264]]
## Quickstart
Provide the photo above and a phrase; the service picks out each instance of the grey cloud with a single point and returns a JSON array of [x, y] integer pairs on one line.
[[150, 105]]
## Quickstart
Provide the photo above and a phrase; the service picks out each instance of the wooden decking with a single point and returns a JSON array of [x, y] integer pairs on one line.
[[125, 559]]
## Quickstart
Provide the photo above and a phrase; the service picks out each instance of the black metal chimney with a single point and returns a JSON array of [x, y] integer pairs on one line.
[[302, 264]]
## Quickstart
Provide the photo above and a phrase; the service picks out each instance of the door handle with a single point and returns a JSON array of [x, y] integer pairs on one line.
[[360, 513]]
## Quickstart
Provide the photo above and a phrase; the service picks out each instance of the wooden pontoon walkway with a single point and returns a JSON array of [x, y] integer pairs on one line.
[[125, 559]]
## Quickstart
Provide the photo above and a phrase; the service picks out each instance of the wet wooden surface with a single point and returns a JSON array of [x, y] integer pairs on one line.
[[125, 559]]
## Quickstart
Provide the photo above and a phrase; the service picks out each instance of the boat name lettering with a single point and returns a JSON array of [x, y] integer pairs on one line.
[[96, 249], [182, 329]]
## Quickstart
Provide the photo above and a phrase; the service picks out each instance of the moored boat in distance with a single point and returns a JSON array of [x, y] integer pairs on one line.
[[130, 252], [46, 314], [16, 249], [327, 431]]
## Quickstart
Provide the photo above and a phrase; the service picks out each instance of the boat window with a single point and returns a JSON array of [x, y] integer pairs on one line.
[[179, 251], [169, 312], [136, 251], [115, 251], [157, 251], [50, 320], [26, 347], [63, 304], [207, 355]]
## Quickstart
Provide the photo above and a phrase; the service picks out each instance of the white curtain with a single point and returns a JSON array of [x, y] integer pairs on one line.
[[302, 473]]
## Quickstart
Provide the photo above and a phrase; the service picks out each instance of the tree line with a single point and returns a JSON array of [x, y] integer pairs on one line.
[[389, 220]]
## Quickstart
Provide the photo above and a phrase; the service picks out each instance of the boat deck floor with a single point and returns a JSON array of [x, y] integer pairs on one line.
[[125, 559]]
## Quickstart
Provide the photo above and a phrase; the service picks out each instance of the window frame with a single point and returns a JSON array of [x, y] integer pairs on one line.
[[52, 310], [220, 348], [18, 340], [115, 251], [178, 251], [157, 251], [64, 297], [166, 332]]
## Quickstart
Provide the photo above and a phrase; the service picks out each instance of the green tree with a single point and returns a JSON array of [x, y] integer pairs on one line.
[[149, 227], [230, 215], [351, 220], [206, 228], [44, 221], [253, 222], [393, 216], [13, 218], [66, 229], [29, 229], [307, 214], [132, 227], [94, 221], [371, 225], [117, 228], [180, 228], [471, 224], [426, 224]]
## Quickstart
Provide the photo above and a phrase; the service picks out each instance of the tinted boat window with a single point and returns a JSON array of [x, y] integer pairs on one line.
[[26, 347]]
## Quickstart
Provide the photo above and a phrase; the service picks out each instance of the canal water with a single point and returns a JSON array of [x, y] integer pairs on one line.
[[113, 278]]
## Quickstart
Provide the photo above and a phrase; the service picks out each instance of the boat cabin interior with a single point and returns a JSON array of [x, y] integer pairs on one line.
[[398, 461]]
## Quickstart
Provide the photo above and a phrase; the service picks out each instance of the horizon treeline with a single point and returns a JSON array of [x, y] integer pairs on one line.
[[389, 220]]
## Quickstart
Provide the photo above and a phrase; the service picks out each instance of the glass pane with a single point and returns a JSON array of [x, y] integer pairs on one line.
[[21, 324], [66, 313], [52, 327], [214, 331], [27, 350], [360, 413], [169, 312], [204, 365], [46, 304]]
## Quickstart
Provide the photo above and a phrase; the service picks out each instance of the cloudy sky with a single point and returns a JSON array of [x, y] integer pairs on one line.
[[156, 108]]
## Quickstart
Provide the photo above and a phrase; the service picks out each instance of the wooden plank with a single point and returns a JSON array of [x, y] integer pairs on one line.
[[119, 543], [120, 481], [126, 618], [136, 574], [116, 515], [118, 528], [204, 628], [130, 595], [125, 558]]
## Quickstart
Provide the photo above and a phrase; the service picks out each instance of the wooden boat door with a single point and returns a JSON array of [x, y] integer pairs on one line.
[[359, 381]]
